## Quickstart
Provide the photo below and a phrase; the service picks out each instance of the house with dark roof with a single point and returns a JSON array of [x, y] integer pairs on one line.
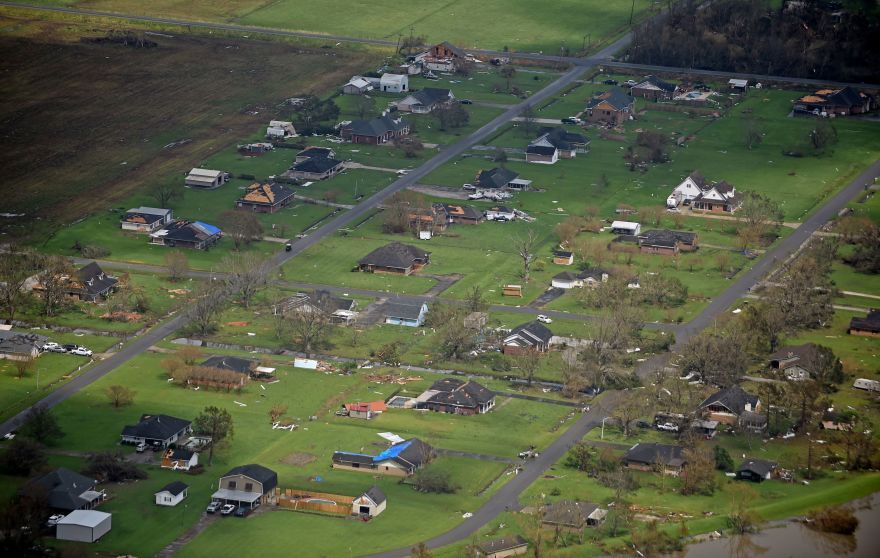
[[589, 277], [411, 314], [756, 470], [442, 57], [794, 362], [836, 102], [315, 168], [396, 258], [612, 107], [369, 504], [90, 284], [375, 131], [555, 143], [652, 456], [179, 459], [563, 257], [338, 309], [172, 494], [503, 547], [528, 336], [266, 197], [182, 233], [496, 178], [463, 214], [653, 88], [65, 490], [451, 395], [433, 218], [425, 100], [244, 366], [399, 460], [667, 242], [314, 151], [247, 486], [145, 219], [869, 326], [718, 198], [573, 516], [156, 430], [17, 345], [729, 405]]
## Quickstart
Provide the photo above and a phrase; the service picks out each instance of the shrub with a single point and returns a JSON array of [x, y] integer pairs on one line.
[[839, 519], [94, 251], [112, 467], [436, 482]]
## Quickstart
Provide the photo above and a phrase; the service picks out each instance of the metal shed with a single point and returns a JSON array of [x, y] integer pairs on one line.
[[83, 526]]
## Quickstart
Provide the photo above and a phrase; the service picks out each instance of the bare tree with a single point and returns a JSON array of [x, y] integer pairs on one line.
[[53, 279], [164, 193], [277, 411], [753, 135], [246, 274], [24, 366], [206, 307], [529, 120], [528, 362], [177, 265], [758, 215], [508, 73], [120, 396], [632, 405], [525, 247], [16, 266], [308, 328], [475, 299], [242, 227], [805, 293]]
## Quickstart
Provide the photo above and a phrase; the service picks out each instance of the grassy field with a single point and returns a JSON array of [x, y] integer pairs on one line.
[[515, 24], [122, 109]]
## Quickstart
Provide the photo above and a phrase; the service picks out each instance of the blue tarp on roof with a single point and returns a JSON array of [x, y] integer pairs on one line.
[[210, 228], [393, 451]]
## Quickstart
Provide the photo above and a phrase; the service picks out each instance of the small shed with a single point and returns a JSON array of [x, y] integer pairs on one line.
[[626, 227], [512, 290], [172, 494], [563, 257], [738, 85], [83, 526], [369, 504], [503, 547]]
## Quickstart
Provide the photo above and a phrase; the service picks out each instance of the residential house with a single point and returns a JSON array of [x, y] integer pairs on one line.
[[265, 197], [206, 178], [340, 310], [868, 326], [730, 405], [652, 456], [280, 130], [243, 366], [498, 178], [563, 257], [476, 321], [688, 190], [17, 345], [503, 547], [83, 526], [738, 85], [612, 107], [666, 242], [247, 486], [65, 490], [314, 151], [835, 102], [425, 100], [172, 494], [369, 504], [357, 85], [653, 88], [443, 57], [500, 213], [365, 410], [90, 284], [589, 277], [794, 362], [187, 234], [395, 258], [626, 228], [315, 168], [463, 214], [399, 460], [451, 395], [833, 420], [394, 83], [179, 459], [145, 219], [411, 314], [755, 470], [156, 430], [555, 143], [375, 131], [704, 428], [573, 516], [718, 198], [528, 336], [434, 218]]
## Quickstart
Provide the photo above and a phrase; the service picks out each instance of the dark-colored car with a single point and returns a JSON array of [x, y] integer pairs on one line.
[[242, 511], [69, 347], [643, 424], [610, 82], [466, 102]]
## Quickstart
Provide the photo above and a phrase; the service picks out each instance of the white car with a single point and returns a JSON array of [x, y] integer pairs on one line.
[[54, 519], [227, 509], [53, 347], [667, 427], [544, 319], [403, 172], [81, 351]]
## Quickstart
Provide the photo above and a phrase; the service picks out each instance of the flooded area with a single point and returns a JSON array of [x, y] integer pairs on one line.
[[791, 538]]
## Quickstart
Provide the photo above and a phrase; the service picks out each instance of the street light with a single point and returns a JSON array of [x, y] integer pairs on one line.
[[602, 436]]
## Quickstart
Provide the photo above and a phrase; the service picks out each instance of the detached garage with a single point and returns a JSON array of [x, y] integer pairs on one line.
[[83, 526]]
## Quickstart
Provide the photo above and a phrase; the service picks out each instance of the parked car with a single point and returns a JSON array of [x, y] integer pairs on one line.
[[643, 424], [630, 82], [610, 82], [545, 319], [466, 102], [213, 507], [242, 511], [141, 447], [342, 413], [667, 427], [468, 186], [402, 172], [81, 351], [572, 120], [475, 196], [227, 509], [52, 346], [54, 519], [69, 347]]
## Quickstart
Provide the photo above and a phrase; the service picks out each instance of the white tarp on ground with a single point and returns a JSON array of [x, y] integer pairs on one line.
[[391, 437], [309, 363]]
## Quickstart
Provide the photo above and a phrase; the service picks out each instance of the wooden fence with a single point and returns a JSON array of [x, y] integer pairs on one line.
[[306, 500]]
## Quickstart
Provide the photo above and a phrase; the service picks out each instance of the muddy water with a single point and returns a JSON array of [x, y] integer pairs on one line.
[[791, 539]]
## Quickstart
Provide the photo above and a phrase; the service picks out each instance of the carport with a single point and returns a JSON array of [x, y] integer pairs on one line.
[[238, 498]]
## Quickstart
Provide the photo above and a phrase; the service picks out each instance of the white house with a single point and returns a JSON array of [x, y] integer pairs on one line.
[[689, 189], [405, 313], [83, 526], [146, 219], [500, 213], [370, 504], [172, 494], [357, 85], [589, 278], [394, 83], [205, 178], [280, 129], [626, 227]]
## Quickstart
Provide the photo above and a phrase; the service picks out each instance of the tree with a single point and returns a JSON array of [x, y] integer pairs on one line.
[[753, 135], [475, 300], [834, 519], [246, 274], [206, 307], [420, 551], [242, 227], [53, 278], [217, 424], [362, 106], [805, 398], [23, 457], [865, 258], [177, 265], [508, 73], [857, 438], [525, 247], [499, 156], [16, 266], [723, 461], [568, 229], [804, 293], [434, 481], [112, 467], [164, 193], [24, 365], [630, 406], [699, 478], [308, 328], [120, 396], [396, 216], [190, 354], [824, 366], [528, 361], [529, 120], [41, 424], [822, 136], [764, 324], [21, 522], [276, 412], [651, 541], [743, 519], [758, 215], [451, 116], [717, 357], [412, 44]]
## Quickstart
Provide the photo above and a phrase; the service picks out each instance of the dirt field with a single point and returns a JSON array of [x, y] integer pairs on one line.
[[84, 125], [299, 459]]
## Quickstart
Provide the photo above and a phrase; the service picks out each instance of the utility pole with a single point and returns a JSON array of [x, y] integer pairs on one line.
[[632, 12]]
